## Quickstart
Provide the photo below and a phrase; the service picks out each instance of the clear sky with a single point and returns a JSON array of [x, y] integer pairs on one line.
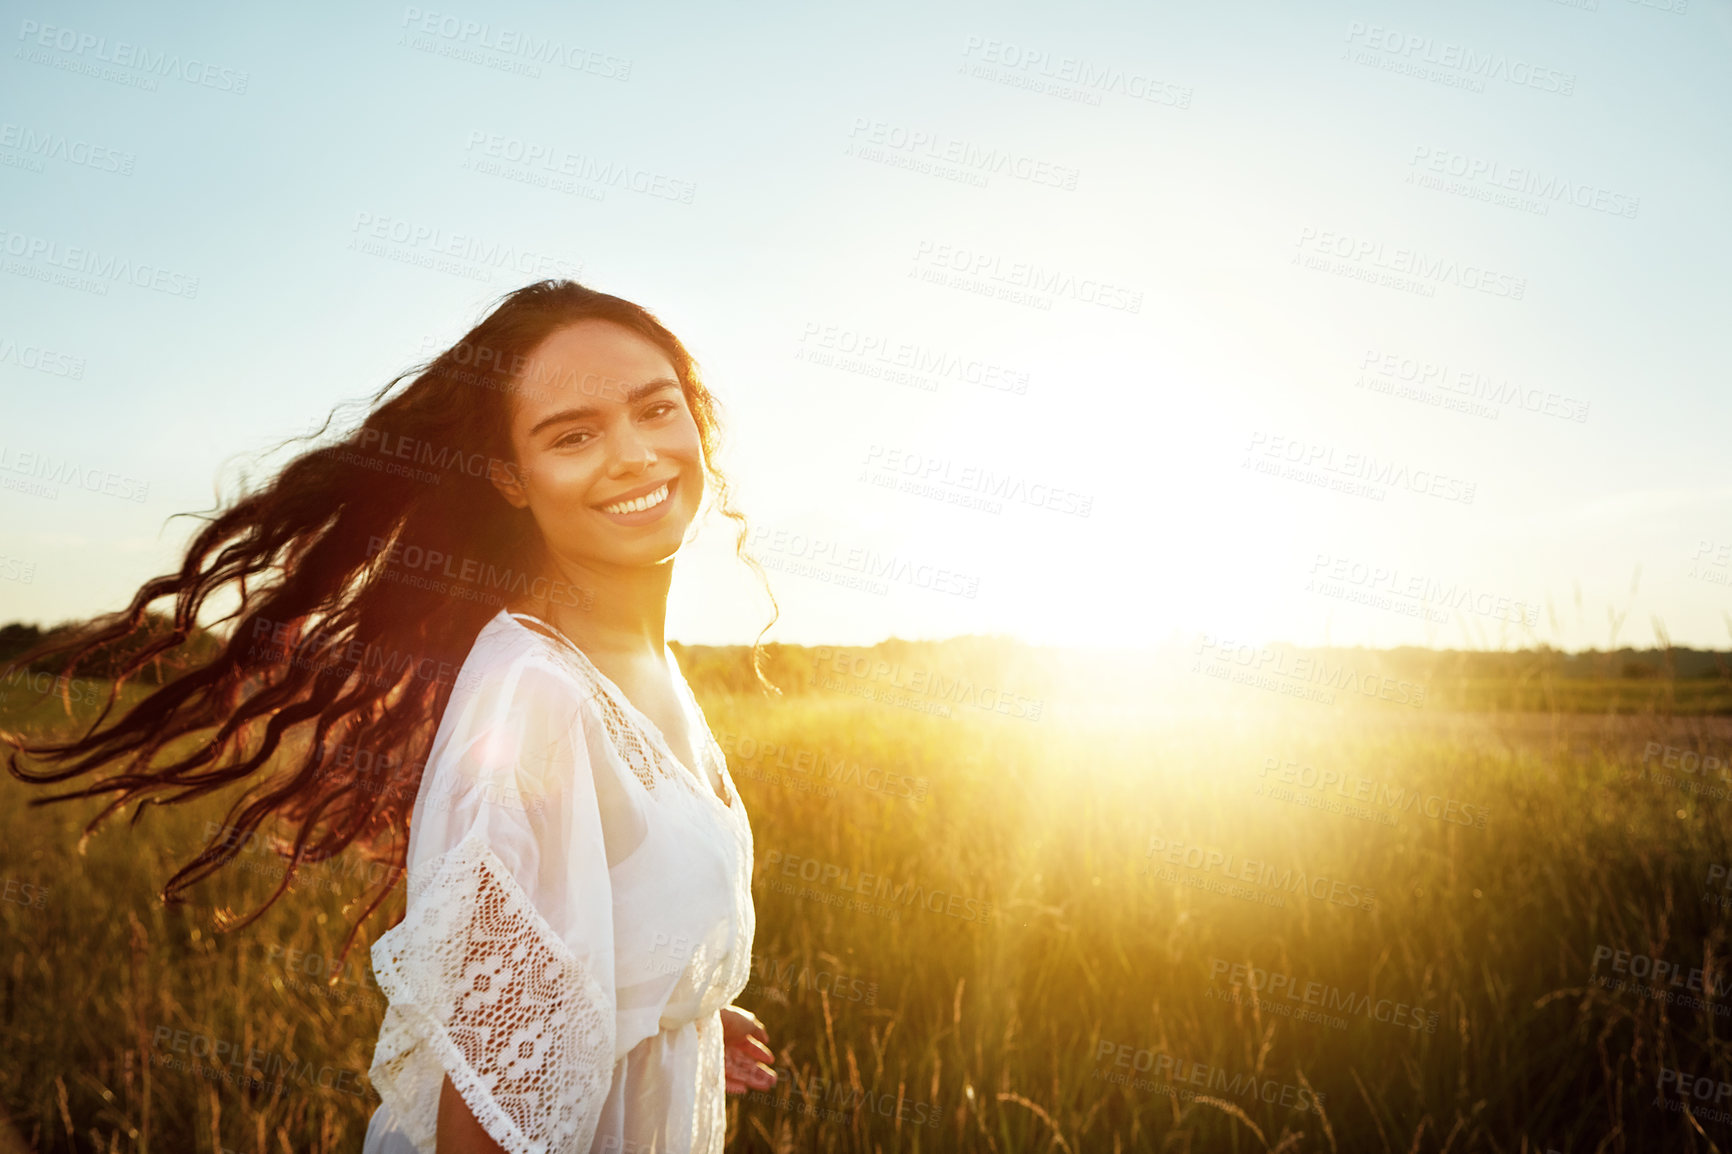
[[1379, 324]]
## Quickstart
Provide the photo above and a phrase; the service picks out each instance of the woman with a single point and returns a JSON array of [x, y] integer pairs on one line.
[[578, 911]]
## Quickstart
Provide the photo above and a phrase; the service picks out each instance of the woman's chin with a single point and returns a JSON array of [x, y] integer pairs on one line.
[[651, 549]]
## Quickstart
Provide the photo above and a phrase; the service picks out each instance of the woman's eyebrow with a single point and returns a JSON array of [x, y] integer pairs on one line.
[[578, 414]]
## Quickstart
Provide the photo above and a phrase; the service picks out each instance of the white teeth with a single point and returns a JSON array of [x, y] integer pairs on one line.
[[647, 501]]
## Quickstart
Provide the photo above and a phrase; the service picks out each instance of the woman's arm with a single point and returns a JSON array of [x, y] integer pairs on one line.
[[508, 926], [459, 1132]]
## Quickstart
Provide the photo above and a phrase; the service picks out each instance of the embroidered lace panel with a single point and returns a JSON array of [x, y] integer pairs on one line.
[[480, 987]]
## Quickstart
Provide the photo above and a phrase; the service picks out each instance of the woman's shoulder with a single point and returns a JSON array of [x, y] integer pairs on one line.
[[505, 650], [511, 694]]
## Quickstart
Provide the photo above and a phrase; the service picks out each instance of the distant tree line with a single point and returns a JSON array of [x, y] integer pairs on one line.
[[798, 669], [202, 645]]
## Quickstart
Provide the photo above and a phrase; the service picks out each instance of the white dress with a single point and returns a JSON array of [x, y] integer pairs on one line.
[[579, 911]]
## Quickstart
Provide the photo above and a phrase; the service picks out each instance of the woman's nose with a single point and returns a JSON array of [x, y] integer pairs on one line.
[[632, 453]]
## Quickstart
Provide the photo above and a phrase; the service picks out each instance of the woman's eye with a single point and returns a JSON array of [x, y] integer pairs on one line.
[[569, 439], [660, 409]]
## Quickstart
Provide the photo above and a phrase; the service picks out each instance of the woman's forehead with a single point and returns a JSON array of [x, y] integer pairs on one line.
[[599, 343], [589, 364]]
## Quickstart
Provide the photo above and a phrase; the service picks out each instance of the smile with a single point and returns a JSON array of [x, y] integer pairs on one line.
[[641, 504]]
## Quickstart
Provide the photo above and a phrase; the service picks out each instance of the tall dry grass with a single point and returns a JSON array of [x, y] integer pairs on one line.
[[1085, 1001]]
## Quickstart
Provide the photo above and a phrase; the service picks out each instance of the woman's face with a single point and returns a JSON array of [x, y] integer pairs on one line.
[[608, 456]]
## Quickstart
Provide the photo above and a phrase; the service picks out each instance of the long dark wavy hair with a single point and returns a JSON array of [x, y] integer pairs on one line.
[[342, 624]]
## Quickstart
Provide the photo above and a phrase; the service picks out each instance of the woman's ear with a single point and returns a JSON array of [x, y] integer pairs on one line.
[[508, 478]]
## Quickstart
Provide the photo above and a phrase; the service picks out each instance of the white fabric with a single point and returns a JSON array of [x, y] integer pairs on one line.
[[579, 911]]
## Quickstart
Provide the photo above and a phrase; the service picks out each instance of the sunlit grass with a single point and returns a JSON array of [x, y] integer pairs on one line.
[[997, 1034]]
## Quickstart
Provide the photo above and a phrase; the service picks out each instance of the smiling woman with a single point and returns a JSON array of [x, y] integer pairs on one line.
[[578, 904], [628, 454]]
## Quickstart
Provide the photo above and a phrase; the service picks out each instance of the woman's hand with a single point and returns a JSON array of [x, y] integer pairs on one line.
[[746, 1045]]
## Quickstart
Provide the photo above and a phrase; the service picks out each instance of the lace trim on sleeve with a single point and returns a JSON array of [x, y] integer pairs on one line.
[[482, 989]]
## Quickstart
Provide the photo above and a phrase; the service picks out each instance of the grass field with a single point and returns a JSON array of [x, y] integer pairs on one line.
[[1202, 917]]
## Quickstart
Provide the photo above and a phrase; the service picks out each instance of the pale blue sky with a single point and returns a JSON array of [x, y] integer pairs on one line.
[[1277, 133]]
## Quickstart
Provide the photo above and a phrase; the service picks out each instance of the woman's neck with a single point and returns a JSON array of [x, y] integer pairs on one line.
[[615, 610]]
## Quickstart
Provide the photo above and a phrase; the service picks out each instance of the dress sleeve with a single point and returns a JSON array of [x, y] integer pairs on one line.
[[500, 974]]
